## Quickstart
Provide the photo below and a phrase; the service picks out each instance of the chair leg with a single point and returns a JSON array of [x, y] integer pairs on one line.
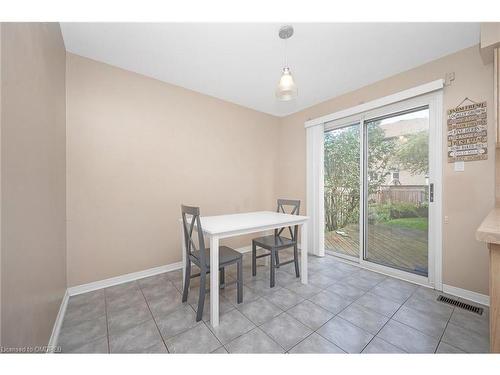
[[239, 274], [222, 277], [254, 259], [272, 268], [296, 260], [201, 299], [187, 279]]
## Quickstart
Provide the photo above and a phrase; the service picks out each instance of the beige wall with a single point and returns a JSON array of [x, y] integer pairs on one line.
[[136, 149], [490, 34], [468, 195], [129, 169], [490, 39], [33, 242]]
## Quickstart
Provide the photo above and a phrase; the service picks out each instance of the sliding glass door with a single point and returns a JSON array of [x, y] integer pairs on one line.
[[342, 190], [397, 191], [379, 172]]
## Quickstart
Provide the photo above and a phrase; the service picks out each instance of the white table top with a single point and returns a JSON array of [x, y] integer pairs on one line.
[[224, 224]]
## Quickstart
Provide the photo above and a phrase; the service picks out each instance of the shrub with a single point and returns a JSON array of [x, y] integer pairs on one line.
[[389, 211]]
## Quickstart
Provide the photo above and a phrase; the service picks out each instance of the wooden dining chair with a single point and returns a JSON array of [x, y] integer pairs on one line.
[[201, 257], [276, 242]]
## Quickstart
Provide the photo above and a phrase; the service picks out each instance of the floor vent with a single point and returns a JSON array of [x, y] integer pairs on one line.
[[462, 305]]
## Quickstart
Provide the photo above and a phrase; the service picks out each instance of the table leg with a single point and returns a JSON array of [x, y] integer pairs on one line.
[[303, 252], [214, 281], [183, 247]]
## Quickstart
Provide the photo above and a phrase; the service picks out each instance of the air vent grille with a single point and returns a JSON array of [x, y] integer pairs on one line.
[[462, 305]]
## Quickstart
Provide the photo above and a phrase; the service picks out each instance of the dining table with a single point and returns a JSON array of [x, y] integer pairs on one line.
[[219, 227]]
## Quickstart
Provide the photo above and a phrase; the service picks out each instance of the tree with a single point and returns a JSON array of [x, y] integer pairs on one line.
[[380, 154], [342, 179], [413, 154]]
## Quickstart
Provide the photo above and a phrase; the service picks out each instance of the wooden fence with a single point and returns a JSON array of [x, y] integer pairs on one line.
[[416, 194]]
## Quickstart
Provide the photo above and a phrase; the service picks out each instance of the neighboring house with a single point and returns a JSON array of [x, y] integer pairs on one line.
[[400, 129]]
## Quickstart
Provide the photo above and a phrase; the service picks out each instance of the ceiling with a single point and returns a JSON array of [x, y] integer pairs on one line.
[[241, 63]]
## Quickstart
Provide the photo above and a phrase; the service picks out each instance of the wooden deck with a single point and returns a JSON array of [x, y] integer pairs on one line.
[[401, 248]]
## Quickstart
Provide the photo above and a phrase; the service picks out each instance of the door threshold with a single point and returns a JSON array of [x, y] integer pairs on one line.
[[414, 279]]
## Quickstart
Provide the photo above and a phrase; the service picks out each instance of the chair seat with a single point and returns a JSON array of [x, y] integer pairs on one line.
[[226, 256], [270, 241]]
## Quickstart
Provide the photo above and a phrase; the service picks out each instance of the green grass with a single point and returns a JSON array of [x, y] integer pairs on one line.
[[418, 223]]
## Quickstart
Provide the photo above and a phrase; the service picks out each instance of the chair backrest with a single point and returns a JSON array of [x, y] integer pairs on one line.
[[293, 207], [189, 224]]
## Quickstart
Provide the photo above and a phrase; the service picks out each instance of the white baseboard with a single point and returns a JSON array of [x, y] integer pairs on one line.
[[483, 299], [58, 323], [244, 249], [453, 290], [106, 283], [84, 288]]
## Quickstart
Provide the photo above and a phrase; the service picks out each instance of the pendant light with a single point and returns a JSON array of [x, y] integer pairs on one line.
[[286, 90]]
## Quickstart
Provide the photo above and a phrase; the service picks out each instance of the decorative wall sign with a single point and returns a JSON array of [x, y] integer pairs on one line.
[[467, 132]]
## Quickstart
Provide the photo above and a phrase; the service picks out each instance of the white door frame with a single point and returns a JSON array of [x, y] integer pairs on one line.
[[433, 101]]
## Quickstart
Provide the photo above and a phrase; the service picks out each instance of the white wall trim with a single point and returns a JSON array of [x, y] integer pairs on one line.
[[436, 160], [381, 102], [314, 189], [244, 249], [112, 281], [58, 323], [483, 299], [106, 283]]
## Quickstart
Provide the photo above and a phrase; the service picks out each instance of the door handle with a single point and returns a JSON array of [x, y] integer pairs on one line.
[[431, 192]]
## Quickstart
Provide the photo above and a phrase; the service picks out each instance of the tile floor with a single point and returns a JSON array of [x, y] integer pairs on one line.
[[344, 309]]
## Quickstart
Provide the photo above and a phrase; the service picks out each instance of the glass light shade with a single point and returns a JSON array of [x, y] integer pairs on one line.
[[286, 90]]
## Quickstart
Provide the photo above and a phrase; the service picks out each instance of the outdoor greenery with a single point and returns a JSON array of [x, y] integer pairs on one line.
[[342, 190], [417, 223], [397, 210], [341, 177], [413, 154]]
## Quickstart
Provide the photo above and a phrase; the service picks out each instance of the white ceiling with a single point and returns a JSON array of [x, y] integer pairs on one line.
[[242, 63]]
